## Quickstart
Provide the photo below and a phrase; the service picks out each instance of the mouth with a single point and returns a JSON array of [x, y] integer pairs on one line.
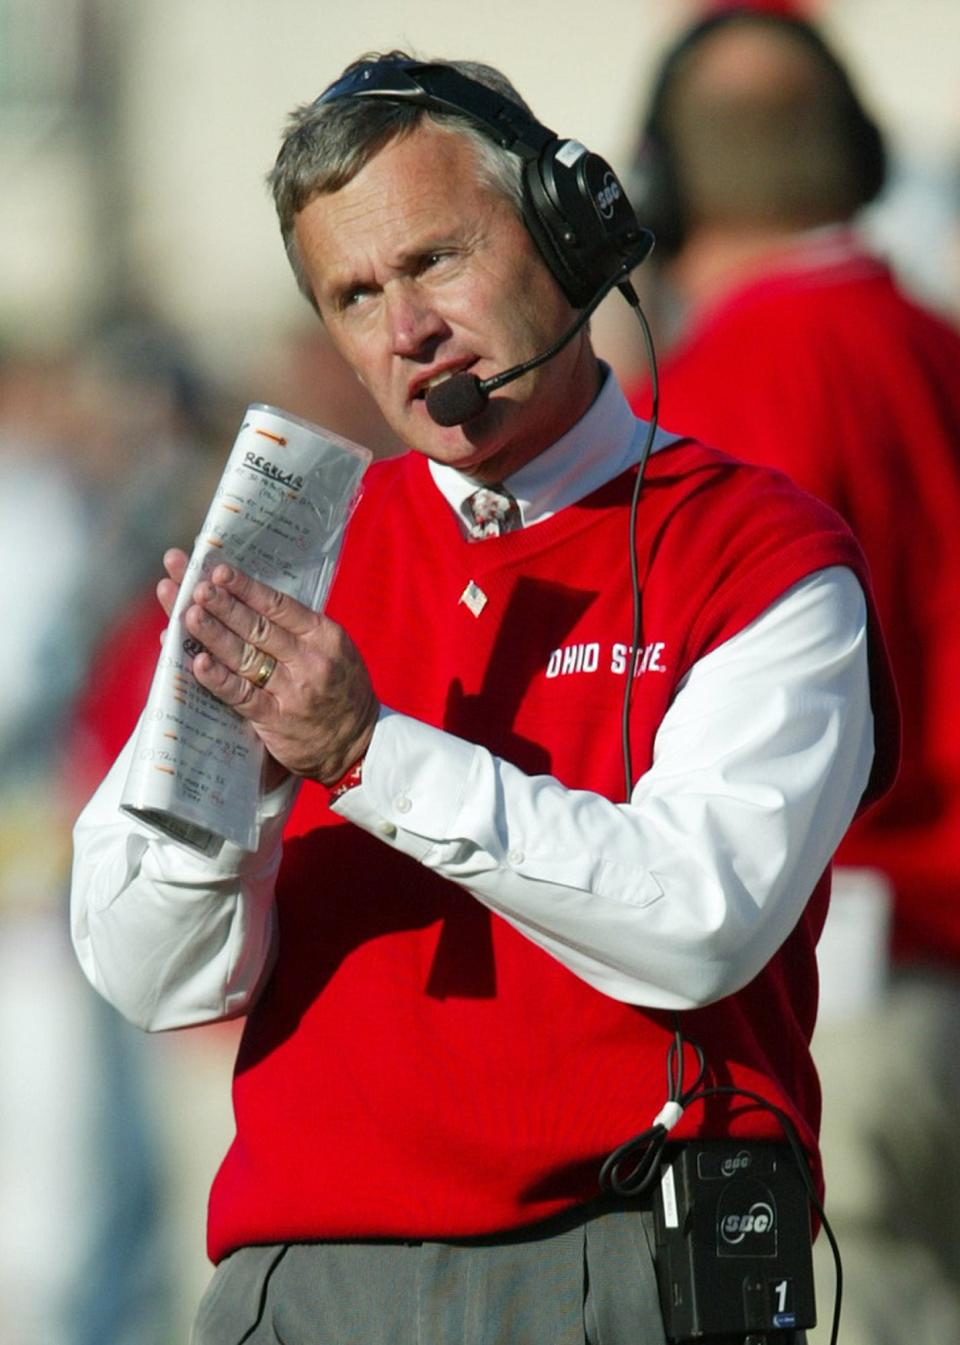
[[422, 387]]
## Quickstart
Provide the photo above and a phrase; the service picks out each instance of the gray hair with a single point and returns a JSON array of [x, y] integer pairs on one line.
[[325, 145]]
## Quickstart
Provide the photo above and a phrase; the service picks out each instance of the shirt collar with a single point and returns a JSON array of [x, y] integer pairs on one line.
[[602, 444]]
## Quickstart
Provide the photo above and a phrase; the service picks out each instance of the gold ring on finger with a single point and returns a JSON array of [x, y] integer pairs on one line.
[[264, 672]]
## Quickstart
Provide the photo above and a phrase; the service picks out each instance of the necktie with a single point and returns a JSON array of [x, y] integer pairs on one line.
[[493, 510]]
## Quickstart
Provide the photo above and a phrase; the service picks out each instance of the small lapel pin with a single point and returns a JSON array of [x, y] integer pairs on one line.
[[474, 598]]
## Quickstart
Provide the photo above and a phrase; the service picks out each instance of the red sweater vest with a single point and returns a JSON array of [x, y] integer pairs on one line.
[[415, 1067]]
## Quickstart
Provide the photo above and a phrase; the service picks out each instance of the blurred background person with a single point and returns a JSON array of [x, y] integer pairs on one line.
[[84, 1256], [43, 1230], [789, 343]]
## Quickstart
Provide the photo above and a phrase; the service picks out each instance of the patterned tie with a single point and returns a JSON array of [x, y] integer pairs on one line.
[[493, 510]]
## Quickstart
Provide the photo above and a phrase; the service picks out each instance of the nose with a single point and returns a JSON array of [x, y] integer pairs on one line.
[[414, 324]]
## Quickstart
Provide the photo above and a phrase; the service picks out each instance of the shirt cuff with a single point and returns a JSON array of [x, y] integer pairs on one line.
[[415, 780]]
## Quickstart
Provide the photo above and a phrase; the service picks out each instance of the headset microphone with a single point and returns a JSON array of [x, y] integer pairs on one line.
[[463, 396]]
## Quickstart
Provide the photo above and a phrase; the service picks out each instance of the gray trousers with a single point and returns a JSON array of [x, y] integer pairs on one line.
[[586, 1279], [575, 1281]]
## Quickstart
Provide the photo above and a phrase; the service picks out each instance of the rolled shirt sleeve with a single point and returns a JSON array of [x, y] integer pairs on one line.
[[169, 936]]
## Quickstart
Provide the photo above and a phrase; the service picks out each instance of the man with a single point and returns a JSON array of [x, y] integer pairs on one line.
[[797, 350], [465, 967]]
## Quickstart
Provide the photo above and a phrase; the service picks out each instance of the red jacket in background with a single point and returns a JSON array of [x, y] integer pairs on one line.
[[823, 368]]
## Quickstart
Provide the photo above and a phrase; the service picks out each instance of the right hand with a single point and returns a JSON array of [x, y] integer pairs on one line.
[[317, 713]]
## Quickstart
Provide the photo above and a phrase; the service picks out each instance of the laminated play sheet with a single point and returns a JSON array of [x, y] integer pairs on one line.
[[278, 514]]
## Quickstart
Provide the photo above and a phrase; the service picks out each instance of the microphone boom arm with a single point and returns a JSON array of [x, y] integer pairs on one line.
[[464, 395]]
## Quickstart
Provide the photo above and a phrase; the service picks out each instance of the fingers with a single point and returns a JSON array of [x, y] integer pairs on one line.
[[234, 633], [276, 608], [175, 563], [229, 647], [239, 621], [233, 689], [167, 592]]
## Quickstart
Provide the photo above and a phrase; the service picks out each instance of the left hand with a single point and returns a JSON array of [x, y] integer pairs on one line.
[[316, 713]]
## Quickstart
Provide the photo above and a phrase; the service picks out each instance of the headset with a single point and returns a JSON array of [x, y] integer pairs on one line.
[[574, 205], [656, 182]]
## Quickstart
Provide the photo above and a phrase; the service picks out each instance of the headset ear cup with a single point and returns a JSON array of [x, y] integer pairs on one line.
[[655, 192], [871, 153], [580, 218], [546, 227]]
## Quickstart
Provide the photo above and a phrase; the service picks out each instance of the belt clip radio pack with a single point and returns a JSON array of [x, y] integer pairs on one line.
[[733, 1241]]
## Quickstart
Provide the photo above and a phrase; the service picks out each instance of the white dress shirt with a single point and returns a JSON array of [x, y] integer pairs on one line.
[[672, 900]]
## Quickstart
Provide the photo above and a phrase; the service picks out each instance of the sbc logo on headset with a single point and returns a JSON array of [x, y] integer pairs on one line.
[[608, 195]]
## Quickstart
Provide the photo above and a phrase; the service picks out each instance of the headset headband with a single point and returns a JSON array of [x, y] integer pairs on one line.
[[443, 89]]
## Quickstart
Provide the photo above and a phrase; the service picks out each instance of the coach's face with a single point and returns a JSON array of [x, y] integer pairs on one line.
[[420, 269]]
